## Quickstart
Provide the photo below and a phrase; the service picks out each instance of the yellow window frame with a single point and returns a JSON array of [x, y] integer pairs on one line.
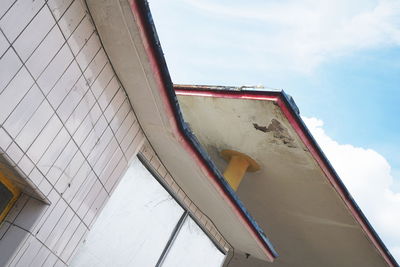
[[14, 191]]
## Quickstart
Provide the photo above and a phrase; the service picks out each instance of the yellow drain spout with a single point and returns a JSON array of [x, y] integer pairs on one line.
[[238, 165]]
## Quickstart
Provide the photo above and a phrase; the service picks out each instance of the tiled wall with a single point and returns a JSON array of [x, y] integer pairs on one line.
[[67, 130]]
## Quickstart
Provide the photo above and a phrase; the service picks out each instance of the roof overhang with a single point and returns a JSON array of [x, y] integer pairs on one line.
[[296, 197], [130, 40]]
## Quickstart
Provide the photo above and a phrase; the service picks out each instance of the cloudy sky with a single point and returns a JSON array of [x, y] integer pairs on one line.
[[339, 59]]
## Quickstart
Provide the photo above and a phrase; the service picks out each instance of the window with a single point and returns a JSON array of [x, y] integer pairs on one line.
[[143, 225], [8, 195], [192, 247]]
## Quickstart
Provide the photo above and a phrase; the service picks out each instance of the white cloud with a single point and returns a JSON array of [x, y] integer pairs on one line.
[[303, 34], [367, 175]]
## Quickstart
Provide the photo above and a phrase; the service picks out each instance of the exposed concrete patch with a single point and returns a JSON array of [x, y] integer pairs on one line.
[[260, 128], [278, 131]]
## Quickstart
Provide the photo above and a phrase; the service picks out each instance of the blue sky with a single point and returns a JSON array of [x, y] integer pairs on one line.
[[340, 60]]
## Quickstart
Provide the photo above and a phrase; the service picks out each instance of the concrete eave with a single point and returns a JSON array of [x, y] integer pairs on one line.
[[239, 121], [130, 40]]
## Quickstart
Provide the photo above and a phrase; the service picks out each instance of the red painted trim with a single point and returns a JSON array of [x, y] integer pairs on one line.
[[225, 95], [309, 143], [141, 22]]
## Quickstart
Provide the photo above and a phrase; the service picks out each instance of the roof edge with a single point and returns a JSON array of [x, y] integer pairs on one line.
[[153, 48]]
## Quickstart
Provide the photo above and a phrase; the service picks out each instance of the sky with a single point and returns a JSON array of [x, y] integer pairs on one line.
[[339, 59]]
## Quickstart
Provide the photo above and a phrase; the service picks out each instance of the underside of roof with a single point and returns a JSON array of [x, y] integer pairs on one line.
[[296, 196]]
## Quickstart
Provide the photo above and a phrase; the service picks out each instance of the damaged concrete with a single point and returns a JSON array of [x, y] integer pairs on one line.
[[278, 131]]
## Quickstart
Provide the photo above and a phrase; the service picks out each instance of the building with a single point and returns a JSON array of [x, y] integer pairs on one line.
[[86, 99]]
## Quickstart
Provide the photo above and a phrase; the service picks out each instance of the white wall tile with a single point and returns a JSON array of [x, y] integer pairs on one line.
[[26, 164], [73, 242], [95, 67], [135, 146], [67, 185], [99, 147], [108, 93], [81, 35], [55, 69], [75, 164], [5, 5], [96, 207], [126, 125], [66, 235], [130, 135], [14, 92], [9, 66], [5, 139], [87, 53], [59, 263], [18, 17], [54, 198], [11, 243], [105, 156], [34, 126], [94, 136], [51, 220], [102, 80], [106, 173], [19, 251], [116, 174], [45, 187], [80, 112], [36, 176], [40, 257], [59, 228], [71, 18], [45, 52], [63, 122], [89, 199], [4, 45], [24, 111], [30, 214], [64, 85], [64, 158], [80, 190], [115, 104], [54, 151], [44, 139], [14, 152], [35, 33], [4, 228], [18, 206], [58, 7], [87, 124], [50, 261], [73, 98]]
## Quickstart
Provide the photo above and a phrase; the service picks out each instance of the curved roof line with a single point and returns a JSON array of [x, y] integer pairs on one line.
[[153, 48]]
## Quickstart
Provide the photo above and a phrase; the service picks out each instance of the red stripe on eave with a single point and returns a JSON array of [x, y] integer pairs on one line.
[[309, 144], [224, 95], [141, 22]]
